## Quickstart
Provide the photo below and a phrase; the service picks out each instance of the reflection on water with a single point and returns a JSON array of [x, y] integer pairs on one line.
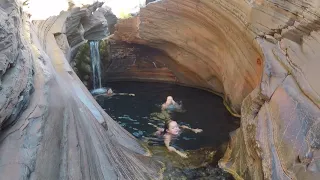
[[201, 110], [161, 116]]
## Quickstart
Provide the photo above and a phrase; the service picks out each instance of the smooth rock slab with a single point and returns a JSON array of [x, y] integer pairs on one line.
[[57, 130]]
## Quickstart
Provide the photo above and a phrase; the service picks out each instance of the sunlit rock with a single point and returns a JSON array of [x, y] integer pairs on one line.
[[51, 127]]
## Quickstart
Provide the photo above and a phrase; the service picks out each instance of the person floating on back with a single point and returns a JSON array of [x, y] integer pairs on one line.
[[170, 104], [110, 93], [170, 132]]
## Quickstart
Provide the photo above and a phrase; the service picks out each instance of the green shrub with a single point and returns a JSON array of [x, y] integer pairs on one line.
[[124, 15]]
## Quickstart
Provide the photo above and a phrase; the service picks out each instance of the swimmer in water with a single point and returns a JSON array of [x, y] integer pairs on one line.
[[110, 93], [170, 104], [170, 132]]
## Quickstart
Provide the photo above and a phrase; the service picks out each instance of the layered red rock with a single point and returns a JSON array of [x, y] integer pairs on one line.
[[197, 37], [143, 63], [263, 55]]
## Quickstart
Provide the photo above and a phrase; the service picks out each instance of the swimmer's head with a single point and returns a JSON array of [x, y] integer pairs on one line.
[[109, 91], [169, 100], [171, 127]]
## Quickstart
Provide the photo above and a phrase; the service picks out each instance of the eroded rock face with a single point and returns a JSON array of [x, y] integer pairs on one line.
[[263, 55], [143, 63], [280, 120], [110, 17], [57, 130], [90, 23], [199, 37], [16, 69]]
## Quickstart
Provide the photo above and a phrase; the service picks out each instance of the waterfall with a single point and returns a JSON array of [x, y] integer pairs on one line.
[[95, 63]]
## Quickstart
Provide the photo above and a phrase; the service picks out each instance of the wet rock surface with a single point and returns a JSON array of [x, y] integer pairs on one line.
[[81, 63], [263, 56], [200, 164]]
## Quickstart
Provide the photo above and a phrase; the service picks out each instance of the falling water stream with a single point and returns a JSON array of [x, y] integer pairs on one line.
[[95, 63]]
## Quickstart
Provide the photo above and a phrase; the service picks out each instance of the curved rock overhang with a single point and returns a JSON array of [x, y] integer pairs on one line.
[[197, 35], [263, 56]]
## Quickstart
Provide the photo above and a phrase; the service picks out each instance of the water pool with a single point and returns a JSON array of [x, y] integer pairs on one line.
[[202, 110]]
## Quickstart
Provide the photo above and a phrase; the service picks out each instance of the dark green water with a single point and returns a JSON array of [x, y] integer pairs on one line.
[[203, 110]]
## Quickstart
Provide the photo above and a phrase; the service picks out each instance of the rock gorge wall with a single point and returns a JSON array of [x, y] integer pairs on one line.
[[263, 56], [224, 60], [121, 61], [51, 127], [143, 63], [134, 62]]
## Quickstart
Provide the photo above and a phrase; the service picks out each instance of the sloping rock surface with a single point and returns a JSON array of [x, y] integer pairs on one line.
[[51, 127], [264, 57]]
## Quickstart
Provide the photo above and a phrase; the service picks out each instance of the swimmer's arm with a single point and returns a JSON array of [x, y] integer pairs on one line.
[[163, 107], [108, 95], [124, 94], [98, 95], [186, 127], [167, 141], [197, 130]]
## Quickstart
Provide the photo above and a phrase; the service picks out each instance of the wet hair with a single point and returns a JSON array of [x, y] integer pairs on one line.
[[109, 91], [166, 126], [169, 98]]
